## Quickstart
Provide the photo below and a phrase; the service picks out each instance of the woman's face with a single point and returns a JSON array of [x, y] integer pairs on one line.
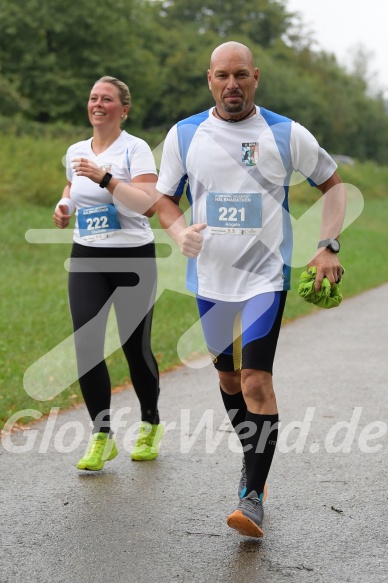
[[105, 107]]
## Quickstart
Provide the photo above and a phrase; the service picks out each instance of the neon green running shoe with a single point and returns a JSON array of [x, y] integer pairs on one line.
[[101, 449], [147, 445]]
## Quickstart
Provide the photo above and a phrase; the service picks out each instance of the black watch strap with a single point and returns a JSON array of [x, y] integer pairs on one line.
[[106, 179]]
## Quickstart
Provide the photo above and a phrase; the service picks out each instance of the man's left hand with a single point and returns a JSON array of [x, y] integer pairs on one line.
[[328, 265]]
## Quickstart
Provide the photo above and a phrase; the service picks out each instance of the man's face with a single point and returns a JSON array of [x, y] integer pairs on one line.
[[233, 80]]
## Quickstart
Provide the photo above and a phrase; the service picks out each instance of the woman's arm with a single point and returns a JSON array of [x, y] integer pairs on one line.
[[140, 198], [64, 209], [147, 181]]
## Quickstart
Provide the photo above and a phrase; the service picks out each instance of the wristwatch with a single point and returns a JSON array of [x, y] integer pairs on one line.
[[332, 244], [105, 180]]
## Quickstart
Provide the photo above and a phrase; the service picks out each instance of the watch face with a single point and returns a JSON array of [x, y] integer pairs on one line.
[[334, 245]]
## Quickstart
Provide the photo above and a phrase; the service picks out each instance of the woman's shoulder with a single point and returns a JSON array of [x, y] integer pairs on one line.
[[132, 140], [81, 147]]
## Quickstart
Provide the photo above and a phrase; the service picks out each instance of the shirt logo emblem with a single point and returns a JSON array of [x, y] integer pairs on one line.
[[250, 153]]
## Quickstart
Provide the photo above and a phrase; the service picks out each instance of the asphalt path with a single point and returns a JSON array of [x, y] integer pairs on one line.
[[164, 521]]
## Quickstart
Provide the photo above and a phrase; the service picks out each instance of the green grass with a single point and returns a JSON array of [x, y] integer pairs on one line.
[[34, 315], [33, 167], [363, 254]]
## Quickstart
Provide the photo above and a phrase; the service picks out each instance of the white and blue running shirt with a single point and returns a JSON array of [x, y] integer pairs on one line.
[[237, 177]]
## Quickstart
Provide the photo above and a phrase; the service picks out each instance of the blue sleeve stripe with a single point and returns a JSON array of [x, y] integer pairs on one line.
[[181, 186], [281, 129], [186, 130]]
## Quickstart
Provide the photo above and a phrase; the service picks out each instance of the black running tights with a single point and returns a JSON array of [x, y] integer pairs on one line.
[[124, 277]]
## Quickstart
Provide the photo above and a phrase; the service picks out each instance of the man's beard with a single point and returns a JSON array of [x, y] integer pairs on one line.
[[236, 108]]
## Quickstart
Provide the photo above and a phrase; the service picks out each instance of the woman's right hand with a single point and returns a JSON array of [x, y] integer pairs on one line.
[[61, 216]]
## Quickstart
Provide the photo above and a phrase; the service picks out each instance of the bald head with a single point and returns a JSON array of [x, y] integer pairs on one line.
[[232, 49]]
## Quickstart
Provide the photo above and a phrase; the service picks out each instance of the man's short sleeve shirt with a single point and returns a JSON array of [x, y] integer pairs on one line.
[[237, 177]]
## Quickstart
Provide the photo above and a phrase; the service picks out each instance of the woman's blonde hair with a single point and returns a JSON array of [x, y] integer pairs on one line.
[[124, 93]]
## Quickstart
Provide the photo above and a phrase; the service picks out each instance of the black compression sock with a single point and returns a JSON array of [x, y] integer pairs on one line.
[[259, 448], [236, 409]]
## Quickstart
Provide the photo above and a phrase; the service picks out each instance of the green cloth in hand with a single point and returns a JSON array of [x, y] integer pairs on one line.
[[326, 297]]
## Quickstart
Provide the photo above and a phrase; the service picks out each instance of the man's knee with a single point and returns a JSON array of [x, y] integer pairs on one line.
[[256, 384], [230, 382]]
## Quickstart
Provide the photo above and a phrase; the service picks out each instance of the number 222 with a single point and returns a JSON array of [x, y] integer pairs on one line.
[[97, 223]]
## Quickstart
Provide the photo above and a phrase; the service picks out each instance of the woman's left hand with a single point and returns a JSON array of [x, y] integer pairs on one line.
[[85, 167]]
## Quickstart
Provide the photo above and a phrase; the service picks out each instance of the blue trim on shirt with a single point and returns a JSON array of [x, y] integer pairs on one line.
[[181, 186], [281, 129], [186, 130], [286, 245]]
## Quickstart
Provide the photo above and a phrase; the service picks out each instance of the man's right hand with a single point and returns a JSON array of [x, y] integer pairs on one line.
[[190, 240], [61, 216]]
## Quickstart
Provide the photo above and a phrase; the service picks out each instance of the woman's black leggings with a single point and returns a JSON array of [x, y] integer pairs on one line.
[[124, 277]]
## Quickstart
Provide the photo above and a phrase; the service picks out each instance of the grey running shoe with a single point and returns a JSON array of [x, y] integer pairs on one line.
[[248, 516], [242, 485]]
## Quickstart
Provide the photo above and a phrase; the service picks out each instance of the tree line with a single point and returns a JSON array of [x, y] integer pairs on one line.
[[52, 52]]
